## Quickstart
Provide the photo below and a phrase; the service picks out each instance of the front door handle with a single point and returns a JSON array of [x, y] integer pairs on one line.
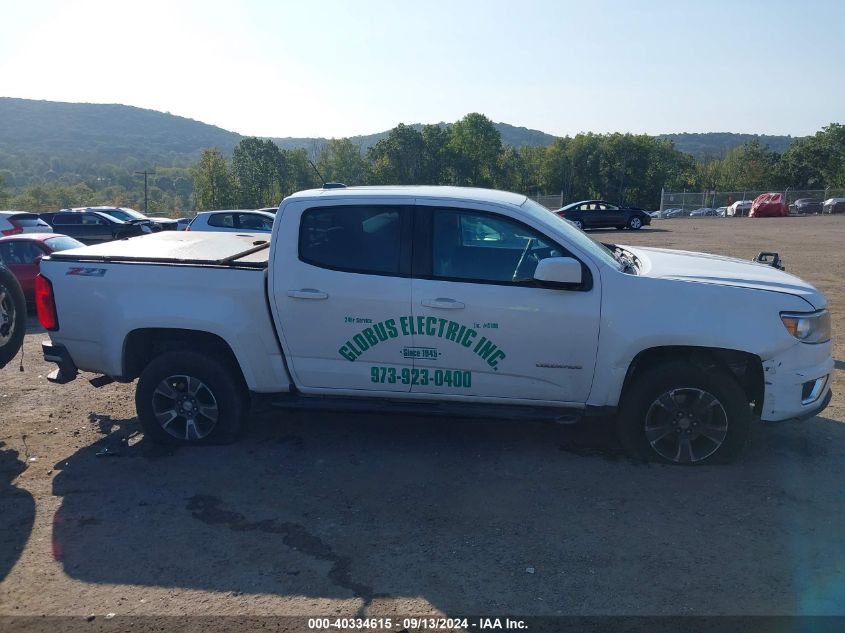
[[444, 303], [308, 293]]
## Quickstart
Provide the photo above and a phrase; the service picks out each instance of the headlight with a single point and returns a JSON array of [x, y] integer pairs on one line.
[[808, 327]]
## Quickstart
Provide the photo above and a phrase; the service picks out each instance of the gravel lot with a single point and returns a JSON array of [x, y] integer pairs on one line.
[[350, 514]]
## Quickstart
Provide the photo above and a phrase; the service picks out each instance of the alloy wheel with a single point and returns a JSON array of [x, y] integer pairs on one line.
[[686, 425], [185, 407]]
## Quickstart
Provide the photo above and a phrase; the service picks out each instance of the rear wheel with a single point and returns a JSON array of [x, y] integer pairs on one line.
[[579, 224], [12, 316], [682, 414], [188, 398]]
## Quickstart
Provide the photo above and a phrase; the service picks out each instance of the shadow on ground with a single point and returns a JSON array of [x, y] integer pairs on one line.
[[469, 516], [17, 510]]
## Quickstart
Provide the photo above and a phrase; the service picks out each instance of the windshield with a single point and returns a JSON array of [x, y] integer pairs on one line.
[[577, 236], [62, 243]]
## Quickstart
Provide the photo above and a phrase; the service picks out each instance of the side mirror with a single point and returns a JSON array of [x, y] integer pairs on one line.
[[559, 270]]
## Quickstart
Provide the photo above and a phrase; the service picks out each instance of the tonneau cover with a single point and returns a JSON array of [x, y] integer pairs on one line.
[[179, 247]]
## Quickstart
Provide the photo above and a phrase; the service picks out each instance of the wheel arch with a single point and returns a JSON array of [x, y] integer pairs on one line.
[[143, 345], [746, 368]]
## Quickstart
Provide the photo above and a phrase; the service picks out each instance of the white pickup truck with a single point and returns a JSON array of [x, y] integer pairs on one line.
[[446, 300]]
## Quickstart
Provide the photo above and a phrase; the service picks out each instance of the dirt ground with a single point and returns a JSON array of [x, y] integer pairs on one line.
[[329, 514]]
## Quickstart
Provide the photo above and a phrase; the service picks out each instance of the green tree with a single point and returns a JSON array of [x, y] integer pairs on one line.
[[259, 169], [213, 185], [398, 158], [475, 144], [341, 161]]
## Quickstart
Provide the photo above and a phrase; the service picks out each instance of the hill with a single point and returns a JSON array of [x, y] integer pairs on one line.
[[44, 141]]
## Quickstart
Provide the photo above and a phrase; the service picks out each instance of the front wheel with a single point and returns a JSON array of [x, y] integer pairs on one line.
[[635, 223], [12, 316], [681, 414], [188, 398]]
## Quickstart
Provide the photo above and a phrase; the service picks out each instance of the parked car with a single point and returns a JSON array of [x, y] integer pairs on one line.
[[703, 211], [17, 222], [91, 227], [243, 220], [834, 205], [769, 205], [130, 215], [675, 213], [336, 311], [182, 223], [22, 254], [591, 214], [740, 208], [806, 205], [12, 316]]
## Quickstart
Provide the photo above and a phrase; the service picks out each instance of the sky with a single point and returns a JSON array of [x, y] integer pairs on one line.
[[332, 68]]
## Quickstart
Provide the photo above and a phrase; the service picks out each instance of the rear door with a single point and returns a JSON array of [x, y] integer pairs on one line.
[[342, 291]]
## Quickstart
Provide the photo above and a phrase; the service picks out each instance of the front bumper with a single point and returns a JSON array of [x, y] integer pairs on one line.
[[797, 383]]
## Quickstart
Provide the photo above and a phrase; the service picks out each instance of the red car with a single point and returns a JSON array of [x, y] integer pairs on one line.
[[22, 254], [769, 205]]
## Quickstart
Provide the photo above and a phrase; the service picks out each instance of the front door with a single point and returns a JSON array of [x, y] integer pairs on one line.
[[487, 330], [345, 302]]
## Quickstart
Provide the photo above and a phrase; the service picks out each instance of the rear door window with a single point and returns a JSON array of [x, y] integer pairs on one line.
[[354, 239], [222, 220], [66, 219], [254, 222]]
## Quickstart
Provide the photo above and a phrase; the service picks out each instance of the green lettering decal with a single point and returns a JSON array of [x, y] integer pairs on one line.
[[441, 324], [390, 324], [431, 326], [478, 345], [495, 357], [486, 350], [380, 331], [361, 342], [370, 336]]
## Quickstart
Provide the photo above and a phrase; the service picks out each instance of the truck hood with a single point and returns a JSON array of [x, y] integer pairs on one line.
[[704, 268]]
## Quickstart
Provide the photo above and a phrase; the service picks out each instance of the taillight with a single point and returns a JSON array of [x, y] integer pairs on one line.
[[45, 303], [16, 229]]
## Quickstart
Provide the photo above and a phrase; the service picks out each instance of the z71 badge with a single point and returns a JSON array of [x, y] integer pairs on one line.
[[81, 271]]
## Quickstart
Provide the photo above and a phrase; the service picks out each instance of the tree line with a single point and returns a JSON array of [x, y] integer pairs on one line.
[[626, 168]]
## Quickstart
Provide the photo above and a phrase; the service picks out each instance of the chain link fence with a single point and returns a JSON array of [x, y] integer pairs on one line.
[[553, 201], [682, 203]]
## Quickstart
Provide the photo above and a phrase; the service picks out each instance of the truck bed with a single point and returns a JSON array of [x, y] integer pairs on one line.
[[240, 250]]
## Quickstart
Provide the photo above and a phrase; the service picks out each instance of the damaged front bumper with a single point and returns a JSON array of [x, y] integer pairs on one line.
[[797, 382]]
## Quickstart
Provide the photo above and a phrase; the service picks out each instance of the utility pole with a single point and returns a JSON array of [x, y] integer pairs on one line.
[[146, 173]]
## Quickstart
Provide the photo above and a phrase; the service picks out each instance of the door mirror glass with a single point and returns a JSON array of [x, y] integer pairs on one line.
[[561, 270]]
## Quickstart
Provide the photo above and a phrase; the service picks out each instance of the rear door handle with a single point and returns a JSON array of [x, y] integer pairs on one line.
[[308, 293], [444, 303]]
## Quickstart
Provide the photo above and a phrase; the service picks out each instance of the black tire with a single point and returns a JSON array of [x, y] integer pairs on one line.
[[635, 223], [12, 316], [579, 224], [222, 388], [640, 409]]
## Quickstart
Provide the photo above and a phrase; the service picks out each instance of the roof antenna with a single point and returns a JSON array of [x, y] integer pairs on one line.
[[319, 175]]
